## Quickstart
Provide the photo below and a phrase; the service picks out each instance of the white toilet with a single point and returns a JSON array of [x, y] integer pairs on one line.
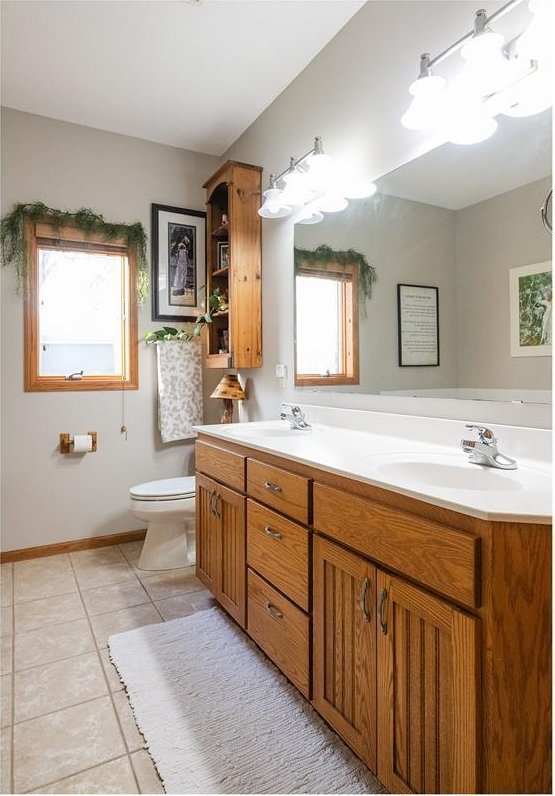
[[168, 507]]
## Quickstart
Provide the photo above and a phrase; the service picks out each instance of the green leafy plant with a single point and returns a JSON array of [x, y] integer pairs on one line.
[[367, 274], [214, 304], [15, 251]]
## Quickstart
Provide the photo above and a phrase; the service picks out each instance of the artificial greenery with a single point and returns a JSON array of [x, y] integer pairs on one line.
[[14, 250], [216, 302], [324, 254]]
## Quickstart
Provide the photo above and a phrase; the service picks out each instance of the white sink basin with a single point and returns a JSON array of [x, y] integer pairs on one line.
[[448, 472]]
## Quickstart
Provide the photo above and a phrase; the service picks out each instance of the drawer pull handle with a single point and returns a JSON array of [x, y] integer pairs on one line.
[[383, 621], [272, 487], [272, 610], [272, 534], [362, 601]]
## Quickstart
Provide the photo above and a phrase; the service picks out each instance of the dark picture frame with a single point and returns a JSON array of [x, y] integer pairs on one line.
[[418, 325], [178, 261], [222, 260]]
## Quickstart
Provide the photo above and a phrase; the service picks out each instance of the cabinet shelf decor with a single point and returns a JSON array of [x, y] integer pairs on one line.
[[234, 265]]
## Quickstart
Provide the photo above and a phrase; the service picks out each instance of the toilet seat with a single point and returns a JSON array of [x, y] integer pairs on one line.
[[166, 489]]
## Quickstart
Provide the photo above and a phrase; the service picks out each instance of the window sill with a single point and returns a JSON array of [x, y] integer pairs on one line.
[[325, 381], [56, 384]]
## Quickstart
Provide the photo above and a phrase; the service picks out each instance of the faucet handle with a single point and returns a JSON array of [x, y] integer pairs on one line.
[[485, 434]]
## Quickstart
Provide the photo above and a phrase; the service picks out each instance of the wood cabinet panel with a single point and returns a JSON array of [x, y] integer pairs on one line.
[[206, 532], [281, 629], [344, 657], [221, 464], [436, 555], [279, 550], [279, 489], [428, 692]]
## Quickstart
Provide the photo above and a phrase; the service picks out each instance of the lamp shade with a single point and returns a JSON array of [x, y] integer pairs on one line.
[[230, 389]]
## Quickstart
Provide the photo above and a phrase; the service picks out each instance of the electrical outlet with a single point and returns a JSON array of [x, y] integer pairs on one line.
[[281, 371]]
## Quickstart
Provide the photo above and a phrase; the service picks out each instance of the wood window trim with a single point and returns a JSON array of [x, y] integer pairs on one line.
[[32, 380], [347, 273]]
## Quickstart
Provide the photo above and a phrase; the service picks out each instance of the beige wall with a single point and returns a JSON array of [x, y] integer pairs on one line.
[[47, 497], [407, 242], [493, 237]]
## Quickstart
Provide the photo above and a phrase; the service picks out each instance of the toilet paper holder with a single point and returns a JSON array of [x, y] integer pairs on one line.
[[66, 442]]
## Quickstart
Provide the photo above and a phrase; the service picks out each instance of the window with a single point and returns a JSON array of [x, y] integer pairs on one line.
[[326, 304], [80, 312]]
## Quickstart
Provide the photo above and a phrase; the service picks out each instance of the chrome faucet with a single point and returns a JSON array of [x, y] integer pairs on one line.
[[293, 414], [484, 450]]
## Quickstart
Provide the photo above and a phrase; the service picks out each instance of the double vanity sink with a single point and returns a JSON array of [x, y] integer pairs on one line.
[[404, 590], [438, 474]]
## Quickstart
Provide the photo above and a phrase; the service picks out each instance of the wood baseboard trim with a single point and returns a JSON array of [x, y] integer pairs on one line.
[[71, 547]]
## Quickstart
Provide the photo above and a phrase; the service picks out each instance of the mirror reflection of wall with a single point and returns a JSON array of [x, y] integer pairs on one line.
[[457, 218]]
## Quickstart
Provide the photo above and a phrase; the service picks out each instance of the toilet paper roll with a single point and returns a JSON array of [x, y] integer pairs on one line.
[[82, 443]]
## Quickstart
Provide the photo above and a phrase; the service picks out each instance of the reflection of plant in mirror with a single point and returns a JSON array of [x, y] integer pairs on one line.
[[216, 301], [534, 299], [367, 275]]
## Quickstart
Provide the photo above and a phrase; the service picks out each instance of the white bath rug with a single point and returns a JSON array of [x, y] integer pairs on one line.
[[218, 717]]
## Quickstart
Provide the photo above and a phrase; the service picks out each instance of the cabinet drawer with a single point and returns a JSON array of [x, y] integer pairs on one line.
[[224, 466], [278, 549], [286, 492], [436, 555], [281, 629]]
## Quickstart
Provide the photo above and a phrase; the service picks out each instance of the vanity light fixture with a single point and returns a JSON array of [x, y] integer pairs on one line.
[[511, 78], [310, 185]]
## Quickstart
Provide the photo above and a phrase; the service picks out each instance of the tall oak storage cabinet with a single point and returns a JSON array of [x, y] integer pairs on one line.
[[234, 265]]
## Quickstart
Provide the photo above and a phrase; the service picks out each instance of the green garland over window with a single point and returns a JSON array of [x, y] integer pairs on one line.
[[325, 255], [14, 251]]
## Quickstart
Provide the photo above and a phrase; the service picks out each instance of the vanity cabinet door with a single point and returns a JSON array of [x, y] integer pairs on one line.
[[221, 545], [428, 671], [345, 646]]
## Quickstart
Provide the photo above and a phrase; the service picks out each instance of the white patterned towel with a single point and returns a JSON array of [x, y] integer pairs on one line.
[[179, 388]]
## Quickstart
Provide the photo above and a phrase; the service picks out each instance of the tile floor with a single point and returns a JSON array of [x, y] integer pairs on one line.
[[66, 723]]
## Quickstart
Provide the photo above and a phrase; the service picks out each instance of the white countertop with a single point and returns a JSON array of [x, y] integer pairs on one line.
[[426, 470]]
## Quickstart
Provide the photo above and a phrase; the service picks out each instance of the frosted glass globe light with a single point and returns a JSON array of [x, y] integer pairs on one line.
[[486, 69], [274, 206], [469, 123], [311, 217], [427, 107], [536, 43], [332, 203], [359, 188]]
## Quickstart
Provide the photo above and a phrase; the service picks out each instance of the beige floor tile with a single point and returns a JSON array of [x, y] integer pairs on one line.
[[97, 557], [6, 688], [113, 777], [6, 761], [52, 643], [132, 551], [6, 654], [56, 746], [114, 597], [171, 583], [94, 575], [7, 620], [114, 682], [105, 625], [43, 689], [133, 737], [185, 604], [147, 777], [39, 613], [43, 577], [6, 584]]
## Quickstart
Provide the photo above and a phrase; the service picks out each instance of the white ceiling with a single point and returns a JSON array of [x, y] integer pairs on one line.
[[455, 176], [190, 74]]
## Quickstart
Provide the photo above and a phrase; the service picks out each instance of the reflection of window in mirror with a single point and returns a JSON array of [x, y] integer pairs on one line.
[[326, 303], [80, 313]]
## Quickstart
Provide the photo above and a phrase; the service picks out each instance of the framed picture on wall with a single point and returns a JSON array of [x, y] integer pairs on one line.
[[178, 253], [223, 256], [418, 326], [531, 290]]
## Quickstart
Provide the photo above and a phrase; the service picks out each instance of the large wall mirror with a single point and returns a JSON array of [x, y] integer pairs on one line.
[[463, 226]]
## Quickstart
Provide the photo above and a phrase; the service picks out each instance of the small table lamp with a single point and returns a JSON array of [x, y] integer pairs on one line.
[[230, 390]]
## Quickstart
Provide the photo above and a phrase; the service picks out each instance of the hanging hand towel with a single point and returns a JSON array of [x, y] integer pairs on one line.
[[179, 389]]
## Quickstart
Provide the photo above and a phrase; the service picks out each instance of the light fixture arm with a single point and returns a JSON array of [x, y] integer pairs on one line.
[[480, 23], [317, 149]]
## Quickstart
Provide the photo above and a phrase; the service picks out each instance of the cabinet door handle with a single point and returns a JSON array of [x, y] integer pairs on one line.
[[383, 621], [271, 487], [362, 601], [272, 610], [218, 505], [272, 534], [212, 499]]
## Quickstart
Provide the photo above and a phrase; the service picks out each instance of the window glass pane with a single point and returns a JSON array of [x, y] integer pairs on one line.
[[80, 312], [318, 325]]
